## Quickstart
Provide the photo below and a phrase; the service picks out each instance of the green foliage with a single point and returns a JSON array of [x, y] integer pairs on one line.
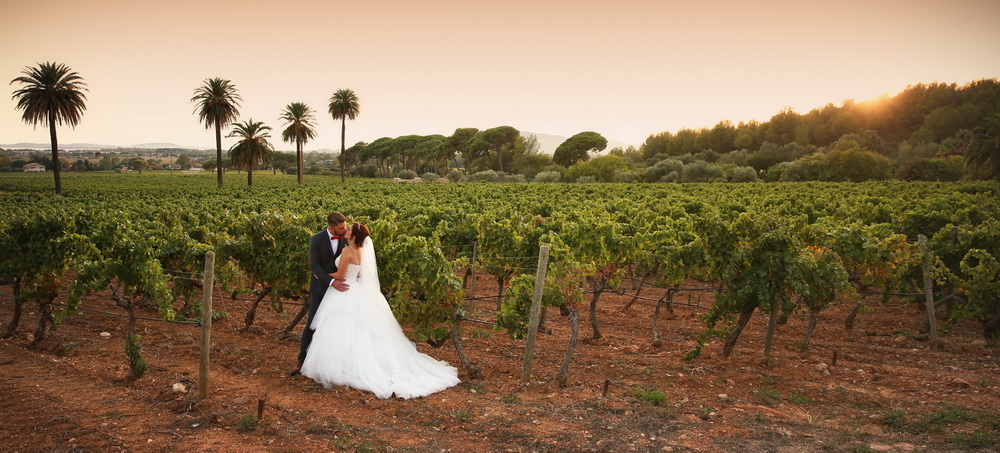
[[744, 174], [602, 168], [820, 276], [248, 422], [252, 150], [978, 280], [661, 169], [654, 397], [974, 440], [856, 164], [268, 249], [982, 156], [516, 307], [923, 114], [418, 281], [492, 144], [578, 148], [141, 237], [133, 350], [933, 422], [217, 103], [51, 93], [940, 169], [701, 171], [547, 176]]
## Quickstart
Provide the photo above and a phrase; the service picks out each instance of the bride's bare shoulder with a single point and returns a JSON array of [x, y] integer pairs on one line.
[[352, 255]]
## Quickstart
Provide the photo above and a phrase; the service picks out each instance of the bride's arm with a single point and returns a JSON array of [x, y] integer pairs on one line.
[[346, 257]]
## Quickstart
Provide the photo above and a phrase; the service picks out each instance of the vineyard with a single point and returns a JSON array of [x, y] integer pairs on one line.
[[675, 317]]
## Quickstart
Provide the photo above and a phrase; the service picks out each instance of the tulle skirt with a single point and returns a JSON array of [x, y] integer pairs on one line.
[[359, 344]]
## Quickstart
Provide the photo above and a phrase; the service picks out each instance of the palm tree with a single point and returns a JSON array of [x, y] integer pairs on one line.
[[982, 155], [344, 105], [301, 122], [252, 150], [51, 93], [217, 104]]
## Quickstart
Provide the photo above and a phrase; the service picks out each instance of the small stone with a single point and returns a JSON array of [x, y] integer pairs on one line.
[[105, 334], [960, 383], [723, 396], [180, 387]]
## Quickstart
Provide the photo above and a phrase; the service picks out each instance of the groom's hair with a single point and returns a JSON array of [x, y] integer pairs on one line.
[[335, 218], [359, 232]]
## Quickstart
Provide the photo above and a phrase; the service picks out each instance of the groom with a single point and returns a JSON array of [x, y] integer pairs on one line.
[[324, 248]]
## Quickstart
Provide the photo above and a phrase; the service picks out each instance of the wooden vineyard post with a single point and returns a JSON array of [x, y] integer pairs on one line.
[[925, 266], [536, 308], [472, 269], [206, 325]]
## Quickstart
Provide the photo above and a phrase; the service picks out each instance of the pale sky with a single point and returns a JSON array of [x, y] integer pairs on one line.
[[625, 69]]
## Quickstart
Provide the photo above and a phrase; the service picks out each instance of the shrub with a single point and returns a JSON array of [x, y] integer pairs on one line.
[[809, 168], [625, 176], [656, 397], [548, 177], [701, 171], [744, 174], [586, 180], [942, 169], [856, 165], [774, 173], [738, 157], [248, 423], [602, 168], [456, 176], [430, 177], [670, 177], [708, 155], [484, 176], [364, 171], [494, 176], [662, 168], [406, 174]]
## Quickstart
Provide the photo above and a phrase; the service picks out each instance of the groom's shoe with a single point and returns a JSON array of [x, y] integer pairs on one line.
[[297, 371]]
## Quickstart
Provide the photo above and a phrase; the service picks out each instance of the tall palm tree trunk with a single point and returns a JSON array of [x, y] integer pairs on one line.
[[343, 158], [298, 160], [218, 150], [55, 151], [250, 177]]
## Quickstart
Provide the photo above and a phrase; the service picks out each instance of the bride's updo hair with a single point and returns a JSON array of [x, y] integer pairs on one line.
[[358, 233]]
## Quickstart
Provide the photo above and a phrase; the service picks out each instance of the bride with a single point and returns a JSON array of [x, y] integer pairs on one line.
[[358, 342]]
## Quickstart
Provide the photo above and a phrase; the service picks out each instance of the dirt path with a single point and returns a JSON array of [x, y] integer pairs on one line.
[[888, 391]]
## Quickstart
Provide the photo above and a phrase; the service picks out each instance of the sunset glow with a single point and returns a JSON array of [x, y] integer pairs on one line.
[[624, 69]]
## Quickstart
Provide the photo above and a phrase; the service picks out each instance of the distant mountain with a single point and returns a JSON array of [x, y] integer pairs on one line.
[[547, 144], [164, 145], [89, 146], [61, 146]]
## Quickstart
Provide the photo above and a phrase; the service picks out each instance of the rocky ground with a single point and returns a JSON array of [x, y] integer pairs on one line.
[[889, 389]]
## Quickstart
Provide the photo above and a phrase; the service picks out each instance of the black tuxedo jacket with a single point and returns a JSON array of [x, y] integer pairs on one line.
[[322, 262]]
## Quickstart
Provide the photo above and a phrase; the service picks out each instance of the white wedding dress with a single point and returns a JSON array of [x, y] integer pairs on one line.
[[359, 344]]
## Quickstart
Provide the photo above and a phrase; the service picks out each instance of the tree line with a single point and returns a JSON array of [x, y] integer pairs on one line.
[[936, 131]]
